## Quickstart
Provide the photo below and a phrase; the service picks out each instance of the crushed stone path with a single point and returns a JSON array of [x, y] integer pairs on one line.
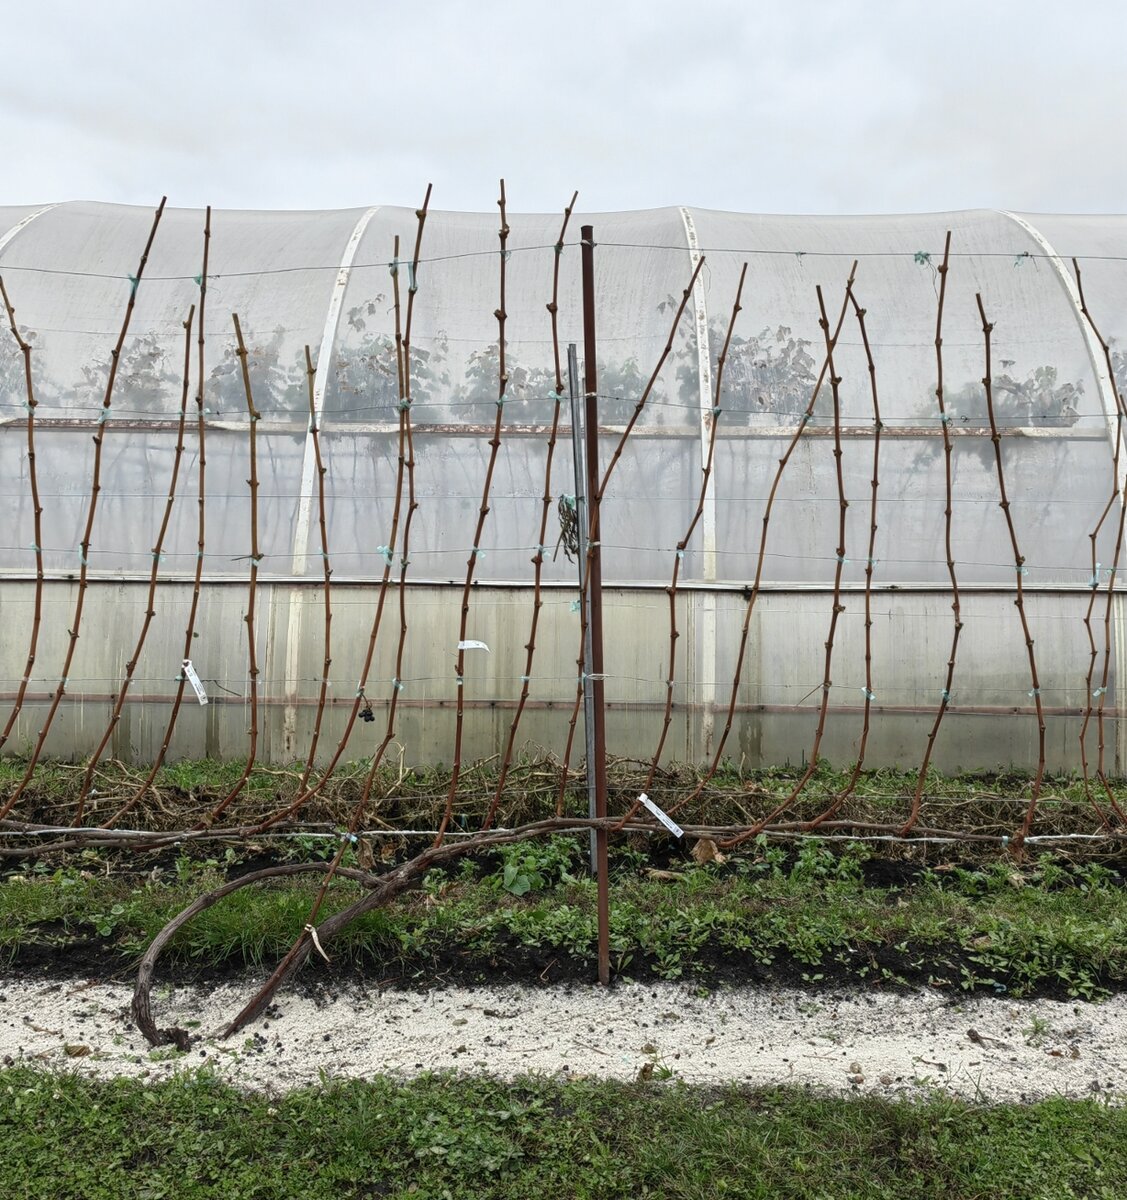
[[893, 1044]]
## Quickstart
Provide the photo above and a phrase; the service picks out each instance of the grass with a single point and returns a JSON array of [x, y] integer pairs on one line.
[[64, 1137], [805, 915], [810, 913]]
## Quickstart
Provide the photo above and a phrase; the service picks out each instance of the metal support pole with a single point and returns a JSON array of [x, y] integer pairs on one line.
[[597, 748], [579, 458]]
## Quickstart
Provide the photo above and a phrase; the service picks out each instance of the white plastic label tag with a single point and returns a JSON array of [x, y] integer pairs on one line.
[[473, 646], [668, 822], [191, 676]]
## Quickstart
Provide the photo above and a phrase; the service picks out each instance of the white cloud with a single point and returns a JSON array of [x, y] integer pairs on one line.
[[804, 107]]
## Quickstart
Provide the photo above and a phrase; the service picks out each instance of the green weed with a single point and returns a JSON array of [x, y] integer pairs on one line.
[[194, 1138]]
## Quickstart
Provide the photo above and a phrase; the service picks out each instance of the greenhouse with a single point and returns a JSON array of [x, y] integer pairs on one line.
[[833, 454]]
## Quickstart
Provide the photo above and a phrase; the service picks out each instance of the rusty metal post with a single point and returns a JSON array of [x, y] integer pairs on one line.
[[597, 752]]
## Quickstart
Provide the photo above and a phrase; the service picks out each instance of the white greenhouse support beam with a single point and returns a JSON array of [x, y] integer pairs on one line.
[[20, 226], [1104, 385], [707, 657], [1106, 388], [320, 381], [303, 523], [5, 238]]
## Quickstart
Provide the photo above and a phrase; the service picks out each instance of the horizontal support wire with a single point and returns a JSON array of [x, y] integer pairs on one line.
[[450, 448]]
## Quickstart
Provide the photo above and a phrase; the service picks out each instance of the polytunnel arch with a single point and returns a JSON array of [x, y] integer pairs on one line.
[[1095, 351], [320, 279]]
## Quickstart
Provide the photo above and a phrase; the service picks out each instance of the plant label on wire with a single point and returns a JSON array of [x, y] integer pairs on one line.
[[668, 822], [194, 679]]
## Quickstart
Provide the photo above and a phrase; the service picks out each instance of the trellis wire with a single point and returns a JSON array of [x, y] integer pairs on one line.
[[476, 549], [201, 529], [37, 515], [1121, 415], [956, 603], [626, 439], [252, 582], [88, 531], [545, 512], [154, 573]]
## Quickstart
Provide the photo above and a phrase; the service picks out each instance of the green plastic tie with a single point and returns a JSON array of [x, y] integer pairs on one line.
[[922, 258]]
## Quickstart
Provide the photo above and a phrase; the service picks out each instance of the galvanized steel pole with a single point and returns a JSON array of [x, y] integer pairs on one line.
[[579, 459], [596, 752]]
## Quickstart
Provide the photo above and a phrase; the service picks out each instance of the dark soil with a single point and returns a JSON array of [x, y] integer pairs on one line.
[[60, 956]]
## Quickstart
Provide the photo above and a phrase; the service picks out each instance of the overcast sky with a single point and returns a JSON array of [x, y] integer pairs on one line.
[[792, 106]]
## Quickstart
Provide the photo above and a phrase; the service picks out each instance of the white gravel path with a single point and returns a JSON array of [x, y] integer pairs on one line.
[[984, 1049]]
